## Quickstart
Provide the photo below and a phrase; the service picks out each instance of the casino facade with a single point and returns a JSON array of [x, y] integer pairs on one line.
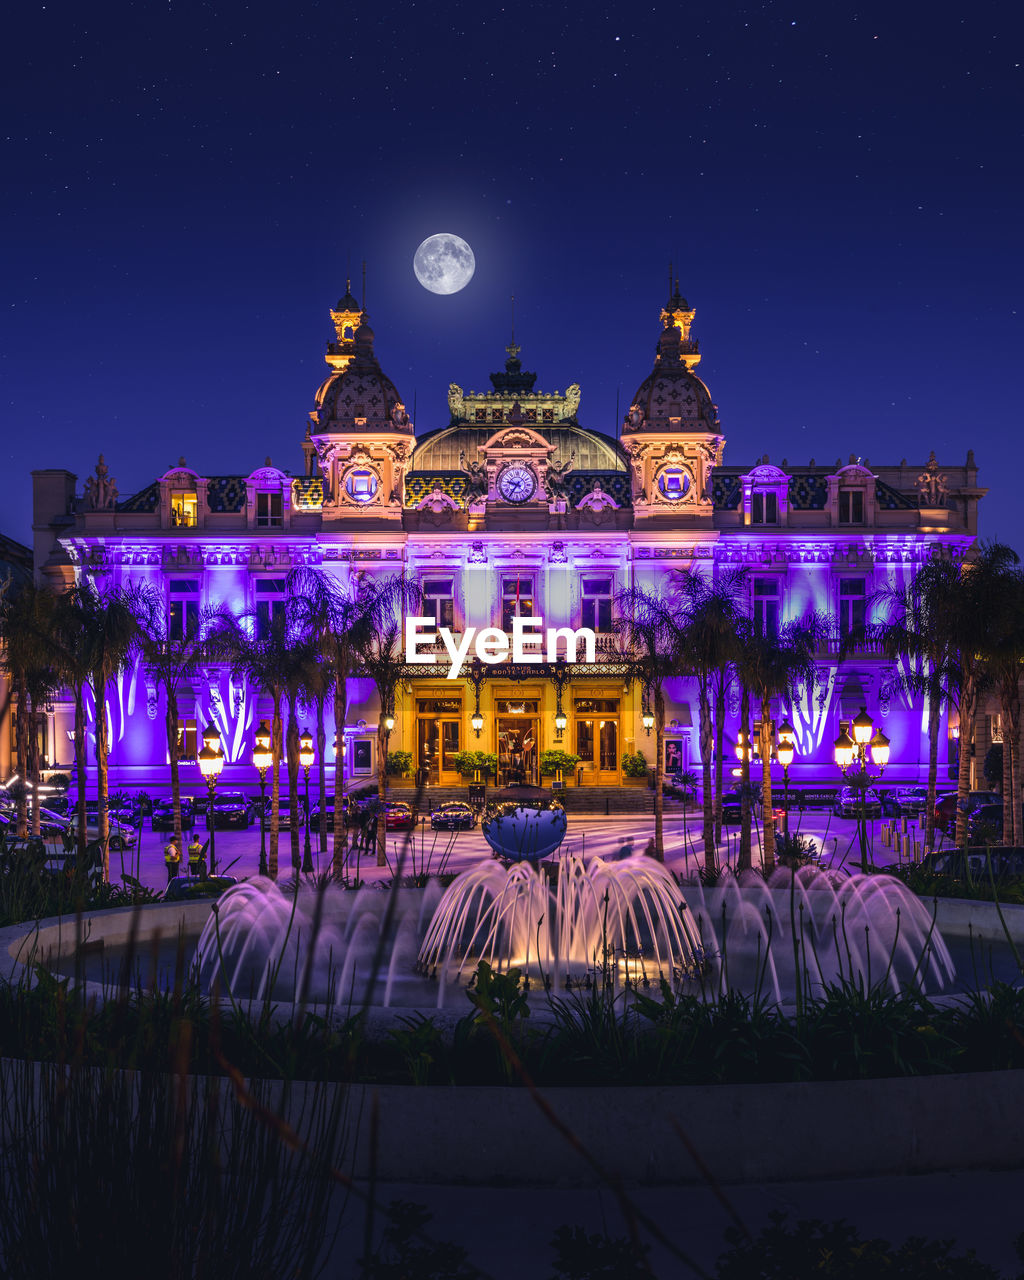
[[514, 507]]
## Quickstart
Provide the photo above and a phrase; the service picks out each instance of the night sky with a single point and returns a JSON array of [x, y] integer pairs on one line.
[[186, 188]]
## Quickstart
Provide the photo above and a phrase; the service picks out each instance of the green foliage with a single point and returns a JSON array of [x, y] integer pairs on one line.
[[467, 762], [795, 850], [554, 759], [993, 766], [399, 762], [579, 1256], [59, 780], [421, 1045], [406, 1253], [837, 1251], [634, 764]]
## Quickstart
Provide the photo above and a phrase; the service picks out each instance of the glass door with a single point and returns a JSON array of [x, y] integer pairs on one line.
[[596, 739], [438, 741]]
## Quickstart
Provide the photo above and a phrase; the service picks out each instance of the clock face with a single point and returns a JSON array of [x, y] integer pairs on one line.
[[517, 484]]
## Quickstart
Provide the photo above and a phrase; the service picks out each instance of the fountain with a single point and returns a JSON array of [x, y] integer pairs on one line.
[[626, 922]]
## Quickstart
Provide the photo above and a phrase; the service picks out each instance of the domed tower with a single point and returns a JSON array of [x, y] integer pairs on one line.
[[671, 432], [360, 430]]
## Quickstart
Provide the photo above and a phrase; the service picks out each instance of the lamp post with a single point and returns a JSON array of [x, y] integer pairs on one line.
[[211, 761], [784, 753], [306, 758], [851, 755], [263, 758], [647, 719]]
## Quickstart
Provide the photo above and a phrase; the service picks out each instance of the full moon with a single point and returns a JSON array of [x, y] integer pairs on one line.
[[444, 263]]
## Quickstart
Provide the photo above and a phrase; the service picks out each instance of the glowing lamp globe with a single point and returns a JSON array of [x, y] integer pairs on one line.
[[262, 737], [306, 755], [210, 763], [784, 752], [787, 733], [880, 749], [741, 744], [862, 728], [561, 720], [389, 723], [647, 719], [262, 757], [844, 750], [211, 737], [476, 720]]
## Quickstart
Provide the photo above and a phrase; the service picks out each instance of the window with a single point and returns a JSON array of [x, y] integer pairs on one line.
[[269, 510], [851, 506], [597, 604], [439, 601], [185, 509], [271, 605], [188, 740], [182, 608], [673, 483], [764, 508], [851, 605], [361, 484], [516, 600], [766, 606]]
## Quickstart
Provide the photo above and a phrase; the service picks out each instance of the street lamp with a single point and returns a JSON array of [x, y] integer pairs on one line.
[[851, 754], [647, 719], [263, 758], [784, 753], [211, 761], [306, 758], [477, 720]]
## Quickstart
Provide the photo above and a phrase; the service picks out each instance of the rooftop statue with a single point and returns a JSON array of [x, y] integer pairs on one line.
[[101, 489]]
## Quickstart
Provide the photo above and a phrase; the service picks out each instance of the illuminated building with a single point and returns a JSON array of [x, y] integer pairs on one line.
[[516, 508]]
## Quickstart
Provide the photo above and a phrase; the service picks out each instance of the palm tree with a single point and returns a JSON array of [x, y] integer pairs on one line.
[[654, 634], [299, 668], [709, 644], [67, 647], [341, 619], [774, 667], [1006, 657], [917, 628], [104, 631], [380, 654], [174, 663]]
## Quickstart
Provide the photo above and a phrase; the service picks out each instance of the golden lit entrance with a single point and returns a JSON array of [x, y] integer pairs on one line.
[[518, 729], [438, 740], [596, 739]]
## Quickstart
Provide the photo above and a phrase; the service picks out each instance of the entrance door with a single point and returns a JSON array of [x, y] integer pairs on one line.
[[438, 740], [597, 739], [517, 749]]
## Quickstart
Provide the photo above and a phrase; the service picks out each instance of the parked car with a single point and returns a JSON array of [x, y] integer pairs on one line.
[[51, 825], [285, 817], [904, 801], [983, 821], [163, 813], [945, 809], [455, 815], [122, 836], [1004, 863], [851, 799], [399, 816], [231, 809]]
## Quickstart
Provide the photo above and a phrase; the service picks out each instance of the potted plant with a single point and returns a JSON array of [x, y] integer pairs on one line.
[[467, 763], [634, 768], [399, 763], [560, 765]]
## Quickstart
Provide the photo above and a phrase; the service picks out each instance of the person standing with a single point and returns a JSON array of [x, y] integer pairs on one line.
[[196, 862], [172, 858]]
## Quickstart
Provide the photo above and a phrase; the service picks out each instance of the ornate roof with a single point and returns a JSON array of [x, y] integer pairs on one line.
[[359, 396], [439, 451], [672, 397]]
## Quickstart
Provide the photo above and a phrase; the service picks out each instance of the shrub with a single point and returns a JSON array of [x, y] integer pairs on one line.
[[554, 759], [399, 762], [467, 762], [59, 780], [634, 764]]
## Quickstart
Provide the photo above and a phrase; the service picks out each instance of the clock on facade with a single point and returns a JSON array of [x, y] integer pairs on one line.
[[517, 484]]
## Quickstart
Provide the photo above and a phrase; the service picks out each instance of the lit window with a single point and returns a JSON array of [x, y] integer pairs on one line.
[[766, 606], [851, 506], [188, 740], [361, 484], [271, 605], [596, 610], [764, 508], [851, 605], [185, 509], [269, 510], [673, 483], [439, 601], [182, 608], [516, 599]]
